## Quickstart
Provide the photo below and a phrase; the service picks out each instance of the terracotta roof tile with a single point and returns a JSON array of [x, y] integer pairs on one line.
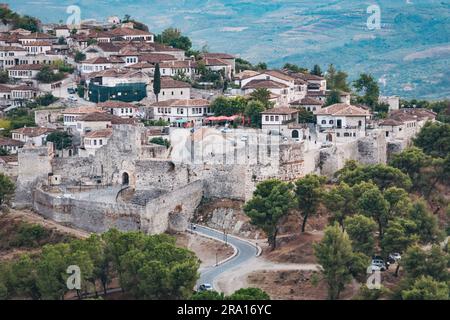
[[342, 109]]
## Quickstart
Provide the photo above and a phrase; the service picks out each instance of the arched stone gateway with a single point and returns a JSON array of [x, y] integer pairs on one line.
[[125, 179], [295, 134]]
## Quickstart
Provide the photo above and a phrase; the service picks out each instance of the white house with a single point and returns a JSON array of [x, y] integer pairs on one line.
[[404, 124], [276, 82], [341, 122], [101, 49], [173, 89], [315, 83], [99, 121], [173, 68], [95, 65], [130, 34], [71, 115], [94, 140], [223, 57], [119, 108], [11, 56], [62, 31], [36, 36], [37, 135], [10, 145], [307, 103], [37, 47], [25, 71], [278, 119], [187, 112]]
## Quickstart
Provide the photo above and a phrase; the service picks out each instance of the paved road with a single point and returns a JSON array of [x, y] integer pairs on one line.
[[245, 251]]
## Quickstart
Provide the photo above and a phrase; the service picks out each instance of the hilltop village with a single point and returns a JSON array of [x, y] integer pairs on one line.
[[167, 172], [112, 148]]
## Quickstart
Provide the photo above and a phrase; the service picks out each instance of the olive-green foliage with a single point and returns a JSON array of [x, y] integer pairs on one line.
[[7, 188], [148, 267], [271, 201], [382, 175], [334, 253]]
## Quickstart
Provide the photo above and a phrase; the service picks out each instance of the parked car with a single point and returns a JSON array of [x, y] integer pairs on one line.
[[72, 99], [244, 138], [225, 130], [374, 268], [205, 287], [379, 264], [394, 257], [71, 90]]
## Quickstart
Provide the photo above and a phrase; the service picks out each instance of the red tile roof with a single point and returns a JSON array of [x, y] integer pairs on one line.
[[342, 109], [268, 84], [104, 133], [281, 110], [33, 131], [167, 82]]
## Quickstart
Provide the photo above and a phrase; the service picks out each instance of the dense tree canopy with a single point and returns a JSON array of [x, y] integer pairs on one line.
[[434, 139], [61, 139], [271, 201], [361, 230], [382, 175], [336, 80], [368, 88], [334, 253], [147, 267], [7, 188]]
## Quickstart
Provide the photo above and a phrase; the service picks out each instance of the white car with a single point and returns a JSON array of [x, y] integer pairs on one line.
[[374, 268], [244, 138], [205, 287], [395, 257], [72, 99], [225, 130]]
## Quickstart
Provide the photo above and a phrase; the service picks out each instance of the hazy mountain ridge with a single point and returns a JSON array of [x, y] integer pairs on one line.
[[409, 51]]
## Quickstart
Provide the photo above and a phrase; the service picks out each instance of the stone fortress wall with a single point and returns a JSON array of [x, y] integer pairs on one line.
[[169, 191]]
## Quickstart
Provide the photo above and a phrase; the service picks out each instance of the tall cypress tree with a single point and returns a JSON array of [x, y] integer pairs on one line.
[[157, 81]]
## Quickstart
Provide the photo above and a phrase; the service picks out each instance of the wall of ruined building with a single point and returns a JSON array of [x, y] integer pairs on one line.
[[394, 147], [170, 211], [173, 210], [372, 149], [87, 215], [34, 169], [49, 118]]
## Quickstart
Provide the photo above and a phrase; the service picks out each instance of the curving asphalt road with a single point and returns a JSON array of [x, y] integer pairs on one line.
[[245, 251]]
